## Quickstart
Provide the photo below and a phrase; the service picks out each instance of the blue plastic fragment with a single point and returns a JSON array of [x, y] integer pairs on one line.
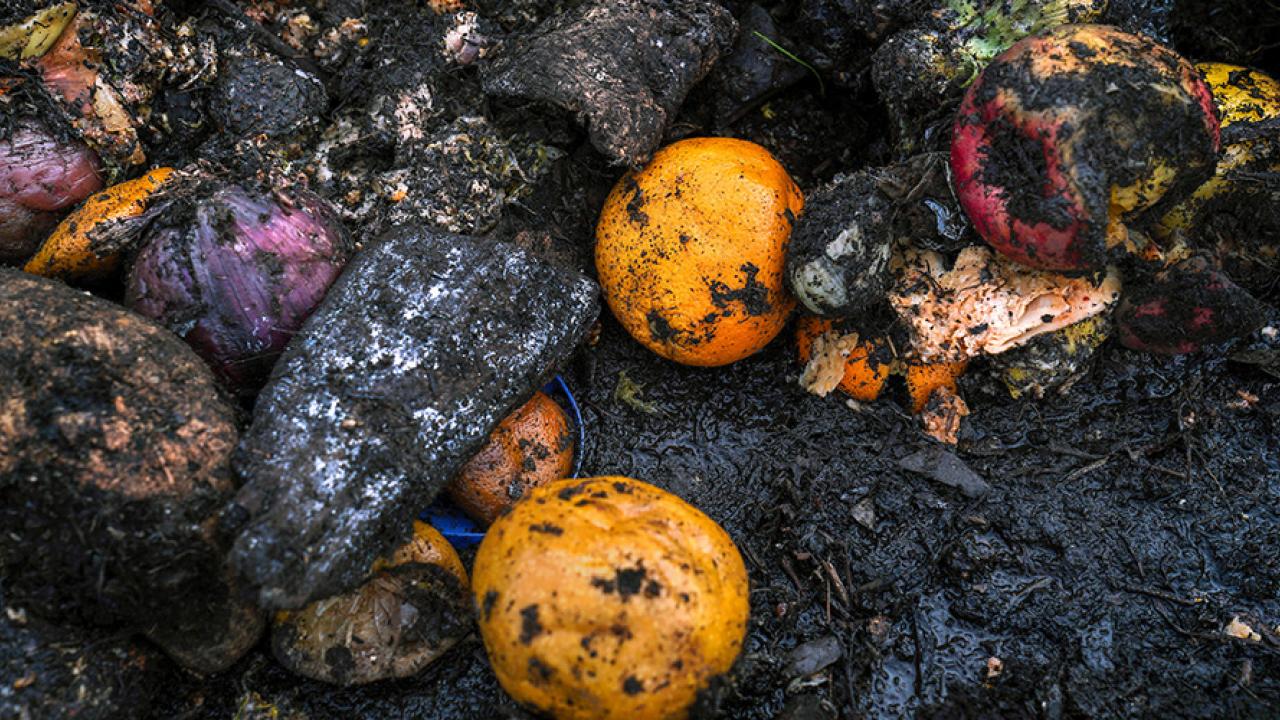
[[459, 529]]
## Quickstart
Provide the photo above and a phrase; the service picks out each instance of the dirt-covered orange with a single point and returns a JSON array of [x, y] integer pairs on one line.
[[608, 598], [530, 447], [924, 378], [690, 250]]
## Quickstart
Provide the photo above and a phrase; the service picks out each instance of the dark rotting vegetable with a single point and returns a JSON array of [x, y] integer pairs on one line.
[[421, 347]]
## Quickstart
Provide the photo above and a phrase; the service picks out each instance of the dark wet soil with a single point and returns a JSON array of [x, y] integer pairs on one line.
[[1125, 525]]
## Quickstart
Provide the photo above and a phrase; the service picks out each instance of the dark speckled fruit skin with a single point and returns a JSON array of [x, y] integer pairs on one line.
[[1042, 142], [1185, 308], [422, 346]]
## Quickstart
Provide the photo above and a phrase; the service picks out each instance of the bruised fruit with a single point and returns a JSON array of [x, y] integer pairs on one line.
[[921, 71], [235, 273], [1186, 307], [77, 249], [833, 358], [988, 304], [609, 598], [532, 446], [33, 36], [924, 379], [41, 176], [409, 613], [1070, 135], [690, 250]]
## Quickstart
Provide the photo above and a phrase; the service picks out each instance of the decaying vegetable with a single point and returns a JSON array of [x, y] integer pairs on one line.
[[77, 248], [609, 598], [530, 447], [115, 452], [1236, 214], [409, 613], [1185, 307], [1054, 361], [104, 70], [41, 177], [36, 34], [235, 272], [422, 346], [988, 304], [921, 71], [1071, 135], [690, 250], [628, 91], [838, 258]]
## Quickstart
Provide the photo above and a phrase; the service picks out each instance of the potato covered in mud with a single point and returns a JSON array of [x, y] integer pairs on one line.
[[413, 609], [115, 460], [532, 446], [609, 598], [690, 250], [1071, 135]]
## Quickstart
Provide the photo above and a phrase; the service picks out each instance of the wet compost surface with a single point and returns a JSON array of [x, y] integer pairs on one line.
[[1110, 552]]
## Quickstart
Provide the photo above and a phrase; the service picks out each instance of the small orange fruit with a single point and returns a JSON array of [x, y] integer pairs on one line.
[[923, 379], [68, 252], [690, 250], [609, 598], [867, 366], [532, 446]]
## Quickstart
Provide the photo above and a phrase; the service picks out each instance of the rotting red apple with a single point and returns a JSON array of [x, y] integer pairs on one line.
[[1186, 307], [1072, 134], [41, 176]]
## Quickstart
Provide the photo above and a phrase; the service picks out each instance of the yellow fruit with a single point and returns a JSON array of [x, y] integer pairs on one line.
[[608, 598]]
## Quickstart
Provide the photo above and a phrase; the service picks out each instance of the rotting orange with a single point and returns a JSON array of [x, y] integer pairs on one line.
[[690, 250], [609, 598], [866, 367], [530, 447], [69, 253], [924, 378]]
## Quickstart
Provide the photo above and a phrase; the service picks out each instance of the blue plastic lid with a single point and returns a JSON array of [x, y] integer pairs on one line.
[[460, 530]]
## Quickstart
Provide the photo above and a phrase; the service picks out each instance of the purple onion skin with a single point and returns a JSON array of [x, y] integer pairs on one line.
[[41, 178], [238, 279]]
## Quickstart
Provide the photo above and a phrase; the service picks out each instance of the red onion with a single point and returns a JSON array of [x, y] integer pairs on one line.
[[236, 273], [40, 178]]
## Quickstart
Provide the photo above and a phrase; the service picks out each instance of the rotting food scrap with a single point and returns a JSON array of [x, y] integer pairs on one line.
[[988, 304]]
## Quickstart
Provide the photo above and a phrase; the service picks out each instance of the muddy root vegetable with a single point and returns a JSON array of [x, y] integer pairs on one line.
[[1185, 308], [690, 250], [422, 346], [530, 447], [609, 598], [1071, 135], [236, 272], [409, 613], [115, 460], [41, 177]]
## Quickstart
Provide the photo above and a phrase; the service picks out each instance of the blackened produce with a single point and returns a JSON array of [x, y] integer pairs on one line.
[[622, 66], [115, 451], [421, 347], [1184, 308]]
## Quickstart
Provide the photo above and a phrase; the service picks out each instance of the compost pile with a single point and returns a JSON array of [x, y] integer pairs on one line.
[[925, 356]]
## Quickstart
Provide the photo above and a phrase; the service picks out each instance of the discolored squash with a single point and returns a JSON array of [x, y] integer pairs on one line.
[[690, 250], [71, 253], [609, 598]]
